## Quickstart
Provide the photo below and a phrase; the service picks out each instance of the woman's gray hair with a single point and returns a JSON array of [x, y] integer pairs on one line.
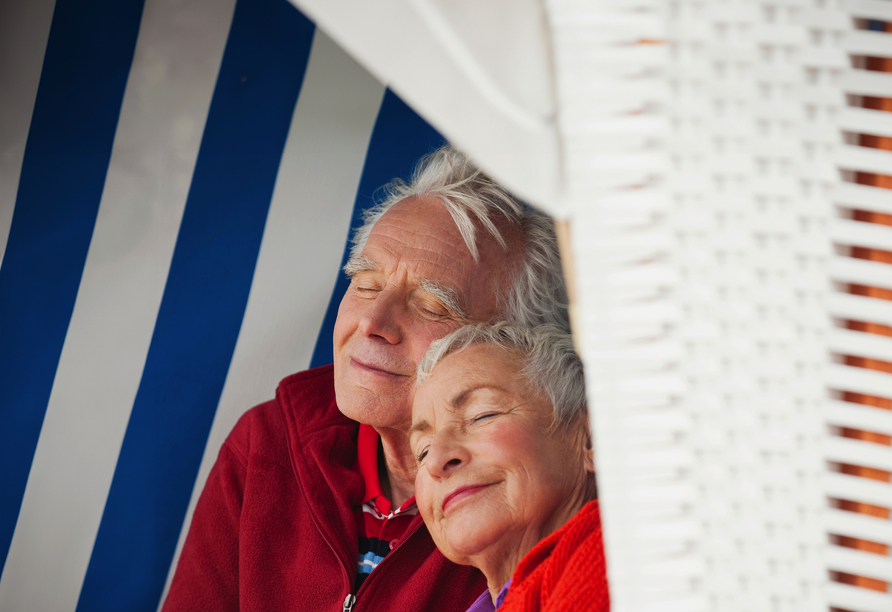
[[550, 365], [537, 294]]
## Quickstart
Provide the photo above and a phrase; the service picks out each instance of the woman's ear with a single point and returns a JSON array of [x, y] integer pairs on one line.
[[588, 459], [589, 453]]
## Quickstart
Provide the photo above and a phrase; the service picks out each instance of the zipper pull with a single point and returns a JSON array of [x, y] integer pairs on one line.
[[349, 601]]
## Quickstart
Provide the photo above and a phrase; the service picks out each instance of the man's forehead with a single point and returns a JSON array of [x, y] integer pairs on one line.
[[420, 237], [423, 223]]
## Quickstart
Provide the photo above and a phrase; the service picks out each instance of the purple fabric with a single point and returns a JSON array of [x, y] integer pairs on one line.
[[484, 602]]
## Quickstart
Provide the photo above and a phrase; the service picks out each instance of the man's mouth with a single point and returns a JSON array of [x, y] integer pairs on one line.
[[373, 368]]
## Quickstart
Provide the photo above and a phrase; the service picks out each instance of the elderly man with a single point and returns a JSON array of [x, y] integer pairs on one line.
[[310, 505]]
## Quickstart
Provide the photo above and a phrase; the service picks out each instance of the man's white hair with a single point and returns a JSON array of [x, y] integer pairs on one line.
[[550, 365], [536, 294]]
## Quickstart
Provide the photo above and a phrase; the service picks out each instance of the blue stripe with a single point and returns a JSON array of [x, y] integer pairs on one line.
[[87, 60], [202, 308], [399, 139]]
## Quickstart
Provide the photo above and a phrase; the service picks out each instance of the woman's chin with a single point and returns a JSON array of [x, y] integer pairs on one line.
[[468, 544]]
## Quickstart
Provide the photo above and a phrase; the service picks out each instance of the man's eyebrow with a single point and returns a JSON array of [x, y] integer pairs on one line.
[[448, 296], [360, 263]]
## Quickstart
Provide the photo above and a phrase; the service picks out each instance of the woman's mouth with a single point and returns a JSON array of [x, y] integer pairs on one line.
[[462, 493]]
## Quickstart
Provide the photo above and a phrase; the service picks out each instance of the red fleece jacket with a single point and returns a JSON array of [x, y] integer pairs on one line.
[[275, 527], [565, 571]]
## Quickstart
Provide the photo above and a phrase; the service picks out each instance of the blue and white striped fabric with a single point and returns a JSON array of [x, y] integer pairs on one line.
[[177, 183]]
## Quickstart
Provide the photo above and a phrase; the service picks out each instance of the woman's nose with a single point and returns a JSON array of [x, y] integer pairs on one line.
[[446, 455]]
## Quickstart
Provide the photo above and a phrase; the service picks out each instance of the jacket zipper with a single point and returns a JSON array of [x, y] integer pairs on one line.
[[348, 602], [351, 599]]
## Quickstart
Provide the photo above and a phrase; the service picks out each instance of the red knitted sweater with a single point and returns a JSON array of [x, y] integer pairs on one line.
[[565, 571]]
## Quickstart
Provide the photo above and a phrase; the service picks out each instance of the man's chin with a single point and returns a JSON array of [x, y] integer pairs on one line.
[[367, 406]]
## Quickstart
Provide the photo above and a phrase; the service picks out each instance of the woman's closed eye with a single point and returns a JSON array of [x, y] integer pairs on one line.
[[483, 416]]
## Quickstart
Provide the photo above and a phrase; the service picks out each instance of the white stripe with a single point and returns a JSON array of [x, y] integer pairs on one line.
[[857, 452], [861, 233], [165, 105], [871, 9], [855, 488], [859, 380], [859, 563], [303, 242], [857, 598], [866, 83], [860, 271], [854, 525], [24, 31], [866, 120], [865, 159], [859, 308], [859, 416], [868, 197], [860, 344], [867, 42]]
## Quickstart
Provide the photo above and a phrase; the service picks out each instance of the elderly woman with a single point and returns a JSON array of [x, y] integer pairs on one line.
[[505, 466]]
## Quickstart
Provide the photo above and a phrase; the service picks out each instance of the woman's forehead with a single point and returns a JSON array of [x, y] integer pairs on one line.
[[476, 364], [477, 372]]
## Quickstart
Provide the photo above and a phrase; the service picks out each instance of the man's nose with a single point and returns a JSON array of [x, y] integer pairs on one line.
[[382, 317]]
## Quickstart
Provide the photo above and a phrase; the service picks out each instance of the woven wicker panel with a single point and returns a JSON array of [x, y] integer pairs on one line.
[[732, 268], [859, 413], [611, 63], [755, 324]]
